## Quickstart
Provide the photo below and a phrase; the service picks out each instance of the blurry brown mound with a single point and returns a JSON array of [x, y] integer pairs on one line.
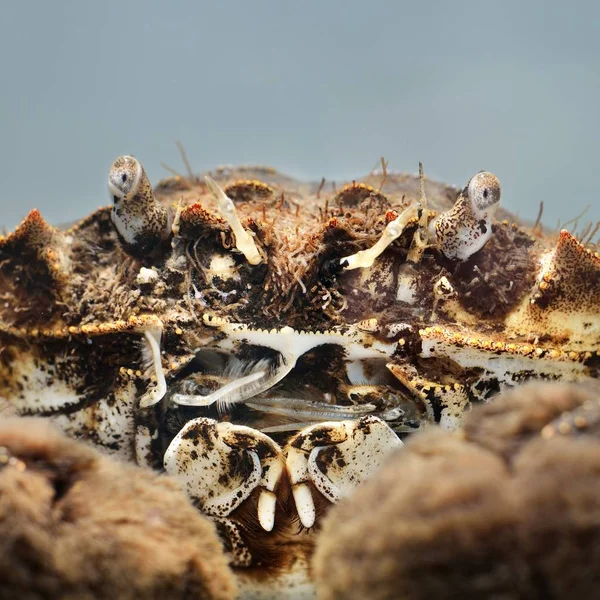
[[74, 524], [510, 508]]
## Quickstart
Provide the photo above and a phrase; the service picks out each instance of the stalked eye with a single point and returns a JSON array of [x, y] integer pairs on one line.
[[483, 191], [467, 226], [140, 220], [124, 177]]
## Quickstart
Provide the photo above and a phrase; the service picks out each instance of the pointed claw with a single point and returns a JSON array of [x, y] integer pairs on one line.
[[305, 504], [335, 458], [266, 510], [271, 466], [297, 468]]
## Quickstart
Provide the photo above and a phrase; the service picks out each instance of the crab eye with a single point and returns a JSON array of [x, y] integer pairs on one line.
[[467, 226], [124, 177], [140, 220], [483, 191]]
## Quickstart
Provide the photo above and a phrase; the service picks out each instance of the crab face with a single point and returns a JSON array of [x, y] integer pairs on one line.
[[246, 335]]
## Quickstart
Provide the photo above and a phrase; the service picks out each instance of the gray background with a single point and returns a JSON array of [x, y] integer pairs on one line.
[[314, 88]]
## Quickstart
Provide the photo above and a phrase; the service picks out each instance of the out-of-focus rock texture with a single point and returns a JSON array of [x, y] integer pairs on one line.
[[74, 524], [508, 508]]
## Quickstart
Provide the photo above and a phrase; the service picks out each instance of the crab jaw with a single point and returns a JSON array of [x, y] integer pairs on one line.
[[291, 345]]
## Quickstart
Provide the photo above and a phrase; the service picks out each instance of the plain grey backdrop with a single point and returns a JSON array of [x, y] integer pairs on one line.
[[313, 88]]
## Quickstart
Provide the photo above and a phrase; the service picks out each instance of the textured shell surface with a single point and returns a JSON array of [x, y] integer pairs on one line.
[[269, 341]]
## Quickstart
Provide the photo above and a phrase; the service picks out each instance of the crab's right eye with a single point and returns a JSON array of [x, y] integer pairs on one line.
[[140, 220], [483, 191]]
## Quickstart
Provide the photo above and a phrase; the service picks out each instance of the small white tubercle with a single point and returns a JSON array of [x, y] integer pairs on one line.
[[146, 276], [393, 230], [244, 241]]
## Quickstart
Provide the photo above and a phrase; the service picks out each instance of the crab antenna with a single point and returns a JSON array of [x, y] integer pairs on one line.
[[393, 230], [244, 241], [421, 237]]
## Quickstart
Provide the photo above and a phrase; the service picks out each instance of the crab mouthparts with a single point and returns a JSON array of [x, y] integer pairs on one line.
[[294, 377]]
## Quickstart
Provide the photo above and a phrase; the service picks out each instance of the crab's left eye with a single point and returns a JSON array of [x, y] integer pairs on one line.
[[484, 191]]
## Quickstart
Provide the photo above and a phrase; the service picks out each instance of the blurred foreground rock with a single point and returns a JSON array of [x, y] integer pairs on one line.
[[508, 508], [74, 524]]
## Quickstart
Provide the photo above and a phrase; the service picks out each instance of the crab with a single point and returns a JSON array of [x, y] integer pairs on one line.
[[269, 343]]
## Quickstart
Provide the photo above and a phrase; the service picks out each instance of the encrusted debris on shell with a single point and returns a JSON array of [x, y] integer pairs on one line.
[[287, 309]]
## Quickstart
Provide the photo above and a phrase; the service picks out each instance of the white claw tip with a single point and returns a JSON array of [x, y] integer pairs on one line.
[[266, 510], [304, 504]]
